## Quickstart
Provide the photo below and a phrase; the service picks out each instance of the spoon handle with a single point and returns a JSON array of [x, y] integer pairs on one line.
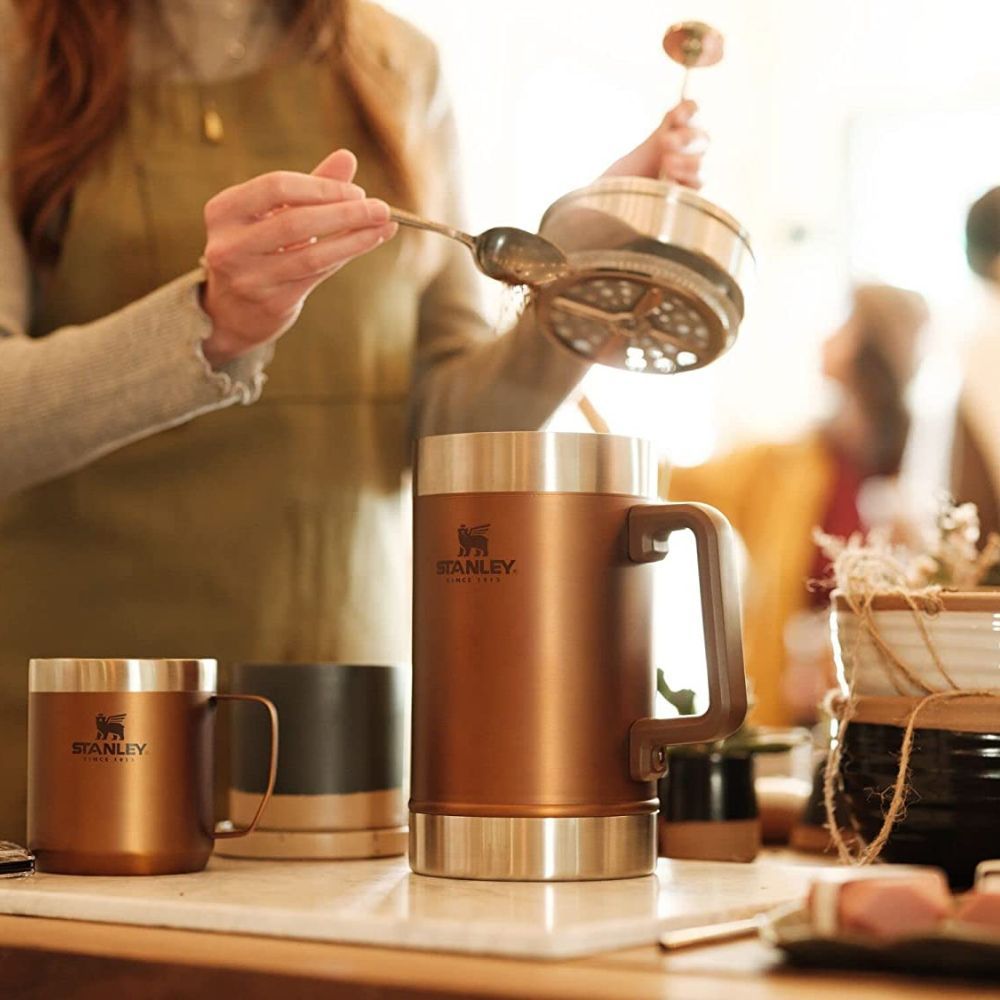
[[416, 222]]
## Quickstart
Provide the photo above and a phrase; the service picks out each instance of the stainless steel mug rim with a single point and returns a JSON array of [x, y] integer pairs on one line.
[[535, 462], [79, 674], [665, 191]]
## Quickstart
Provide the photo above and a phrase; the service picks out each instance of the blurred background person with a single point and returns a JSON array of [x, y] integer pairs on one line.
[[976, 452], [838, 477]]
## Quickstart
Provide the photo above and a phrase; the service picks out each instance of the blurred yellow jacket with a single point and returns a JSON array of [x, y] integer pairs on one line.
[[774, 495]]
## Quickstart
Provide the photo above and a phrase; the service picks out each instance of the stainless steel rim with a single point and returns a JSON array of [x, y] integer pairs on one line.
[[535, 462], [531, 849], [67, 674], [665, 190]]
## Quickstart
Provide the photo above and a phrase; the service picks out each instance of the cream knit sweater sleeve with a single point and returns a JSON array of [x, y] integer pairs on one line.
[[83, 391], [466, 377]]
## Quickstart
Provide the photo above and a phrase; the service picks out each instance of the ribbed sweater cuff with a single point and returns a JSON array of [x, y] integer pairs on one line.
[[175, 308]]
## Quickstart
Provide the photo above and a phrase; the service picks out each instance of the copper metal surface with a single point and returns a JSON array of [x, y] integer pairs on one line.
[[536, 653], [117, 813], [72, 674], [532, 462], [527, 680], [517, 849], [120, 783], [533, 672], [272, 765]]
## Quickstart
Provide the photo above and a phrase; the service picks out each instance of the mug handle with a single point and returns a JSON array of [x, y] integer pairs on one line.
[[272, 772], [649, 528]]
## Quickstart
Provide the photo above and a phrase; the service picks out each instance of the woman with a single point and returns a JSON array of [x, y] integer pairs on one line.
[[775, 495], [138, 137]]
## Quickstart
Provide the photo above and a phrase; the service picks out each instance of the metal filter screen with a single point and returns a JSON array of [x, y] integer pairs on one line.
[[639, 312]]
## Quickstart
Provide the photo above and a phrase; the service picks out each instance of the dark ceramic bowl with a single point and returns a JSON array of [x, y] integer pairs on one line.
[[953, 816]]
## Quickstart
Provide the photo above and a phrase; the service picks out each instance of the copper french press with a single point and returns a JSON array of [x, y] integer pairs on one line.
[[535, 750]]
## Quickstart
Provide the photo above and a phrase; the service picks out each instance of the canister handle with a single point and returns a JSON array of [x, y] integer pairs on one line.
[[223, 831], [649, 528]]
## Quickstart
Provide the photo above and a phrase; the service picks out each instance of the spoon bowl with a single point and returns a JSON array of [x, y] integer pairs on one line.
[[505, 253], [518, 257]]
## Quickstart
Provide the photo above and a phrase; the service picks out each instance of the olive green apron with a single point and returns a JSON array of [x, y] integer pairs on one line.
[[269, 532]]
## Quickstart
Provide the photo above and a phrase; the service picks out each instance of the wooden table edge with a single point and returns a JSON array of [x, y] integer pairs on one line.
[[636, 972]]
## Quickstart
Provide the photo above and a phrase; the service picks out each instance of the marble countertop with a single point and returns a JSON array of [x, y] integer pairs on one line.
[[381, 902]]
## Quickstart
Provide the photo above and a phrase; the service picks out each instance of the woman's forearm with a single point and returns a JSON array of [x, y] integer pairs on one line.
[[466, 378], [512, 382], [83, 391]]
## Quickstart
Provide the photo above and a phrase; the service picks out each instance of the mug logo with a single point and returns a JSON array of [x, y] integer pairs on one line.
[[109, 743], [473, 565], [110, 727], [473, 540]]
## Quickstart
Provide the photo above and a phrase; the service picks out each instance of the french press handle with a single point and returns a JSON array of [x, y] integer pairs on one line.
[[649, 528]]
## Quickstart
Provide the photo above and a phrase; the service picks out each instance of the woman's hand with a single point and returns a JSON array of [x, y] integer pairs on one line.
[[272, 240], [674, 150]]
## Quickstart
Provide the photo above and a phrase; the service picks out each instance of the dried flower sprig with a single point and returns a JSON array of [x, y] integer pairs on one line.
[[951, 559], [960, 563]]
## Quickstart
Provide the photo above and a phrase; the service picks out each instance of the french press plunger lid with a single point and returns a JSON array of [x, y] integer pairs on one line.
[[639, 298]]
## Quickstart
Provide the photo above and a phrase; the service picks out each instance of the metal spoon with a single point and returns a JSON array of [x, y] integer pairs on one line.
[[513, 256]]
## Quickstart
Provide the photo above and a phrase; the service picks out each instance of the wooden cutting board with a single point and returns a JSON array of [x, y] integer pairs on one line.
[[381, 902]]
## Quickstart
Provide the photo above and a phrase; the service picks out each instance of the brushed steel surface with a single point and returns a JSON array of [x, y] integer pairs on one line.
[[657, 276], [517, 848], [504, 253], [612, 309], [535, 462], [121, 675], [661, 211]]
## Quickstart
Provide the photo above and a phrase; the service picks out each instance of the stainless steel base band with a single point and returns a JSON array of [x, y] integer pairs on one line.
[[522, 849], [535, 462]]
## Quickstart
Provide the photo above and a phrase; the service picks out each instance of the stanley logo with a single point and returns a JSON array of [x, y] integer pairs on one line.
[[472, 562], [109, 743]]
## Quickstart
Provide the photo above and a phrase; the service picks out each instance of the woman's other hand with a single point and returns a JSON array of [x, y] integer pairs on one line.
[[674, 150], [271, 240]]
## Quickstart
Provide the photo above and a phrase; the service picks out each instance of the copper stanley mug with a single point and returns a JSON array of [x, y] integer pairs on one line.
[[120, 765], [535, 753]]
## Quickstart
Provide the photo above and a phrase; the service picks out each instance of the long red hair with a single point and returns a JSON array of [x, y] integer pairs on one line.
[[78, 96]]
